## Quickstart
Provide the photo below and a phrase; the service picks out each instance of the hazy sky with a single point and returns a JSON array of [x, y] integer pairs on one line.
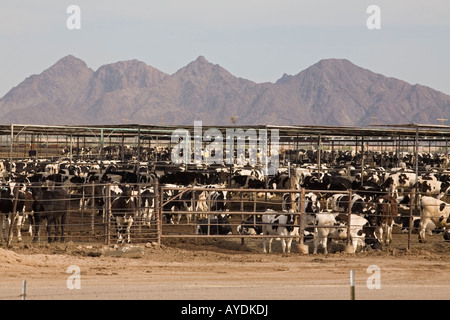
[[254, 39]]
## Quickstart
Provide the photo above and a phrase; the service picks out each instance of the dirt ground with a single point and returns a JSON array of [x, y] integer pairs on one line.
[[222, 269]]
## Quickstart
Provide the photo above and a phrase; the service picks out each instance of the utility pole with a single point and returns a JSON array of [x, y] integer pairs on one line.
[[373, 120], [442, 121]]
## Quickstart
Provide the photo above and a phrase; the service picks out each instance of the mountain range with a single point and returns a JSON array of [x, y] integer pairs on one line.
[[331, 92]]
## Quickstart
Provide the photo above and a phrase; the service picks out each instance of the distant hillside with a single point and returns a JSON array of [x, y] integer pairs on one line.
[[331, 92]]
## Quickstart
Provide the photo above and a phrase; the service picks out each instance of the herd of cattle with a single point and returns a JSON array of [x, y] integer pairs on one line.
[[341, 203]]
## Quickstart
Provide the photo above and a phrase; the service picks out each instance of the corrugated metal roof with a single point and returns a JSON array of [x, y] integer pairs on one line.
[[440, 132]]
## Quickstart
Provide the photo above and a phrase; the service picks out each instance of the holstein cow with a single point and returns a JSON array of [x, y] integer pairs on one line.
[[278, 226], [357, 235], [189, 203], [24, 211], [50, 205], [6, 208], [254, 226], [172, 202], [251, 226], [341, 201], [123, 211], [23, 207], [434, 188], [217, 226], [312, 202], [218, 200], [147, 206], [435, 210], [399, 180], [325, 225]]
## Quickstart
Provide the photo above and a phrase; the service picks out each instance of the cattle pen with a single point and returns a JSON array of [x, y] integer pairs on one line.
[[144, 152]]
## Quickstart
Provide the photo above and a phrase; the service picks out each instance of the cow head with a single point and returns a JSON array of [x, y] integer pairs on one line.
[[388, 183], [424, 186], [403, 178], [339, 232], [312, 203], [290, 221], [250, 226]]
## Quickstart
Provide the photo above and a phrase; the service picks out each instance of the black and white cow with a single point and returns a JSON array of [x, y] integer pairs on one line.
[[123, 211], [312, 202], [340, 203], [219, 200], [254, 226], [433, 188], [251, 226], [189, 200], [434, 210], [172, 203], [6, 208], [217, 226], [399, 180], [214, 200], [325, 225], [147, 208], [23, 207], [24, 211], [357, 235], [277, 225]]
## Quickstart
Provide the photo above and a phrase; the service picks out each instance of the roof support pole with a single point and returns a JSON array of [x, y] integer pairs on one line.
[[101, 150], [11, 151], [319, 149], [362, 161], [416, 165]]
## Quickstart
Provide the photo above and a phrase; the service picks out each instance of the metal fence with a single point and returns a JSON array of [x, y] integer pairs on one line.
[[90, 219], [245, 203]]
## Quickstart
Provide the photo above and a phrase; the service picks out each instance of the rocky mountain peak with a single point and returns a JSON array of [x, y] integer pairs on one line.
[[330, 92], [127, 74]]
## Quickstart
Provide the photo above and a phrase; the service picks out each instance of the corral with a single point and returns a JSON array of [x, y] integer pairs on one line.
[[143, 152]]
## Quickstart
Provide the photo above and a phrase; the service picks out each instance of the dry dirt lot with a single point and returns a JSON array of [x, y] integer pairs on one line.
[[221, 270]]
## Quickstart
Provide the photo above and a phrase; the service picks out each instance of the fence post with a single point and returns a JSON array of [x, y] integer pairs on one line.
[[107, 214], [139, 208], [159, 213], [410, 224], [93, 208], [194, 211], [352, 285], [24, 290], [302, 248], [349, 248]]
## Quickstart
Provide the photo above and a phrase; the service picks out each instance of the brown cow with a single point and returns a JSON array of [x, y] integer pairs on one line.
[[386, 213]]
